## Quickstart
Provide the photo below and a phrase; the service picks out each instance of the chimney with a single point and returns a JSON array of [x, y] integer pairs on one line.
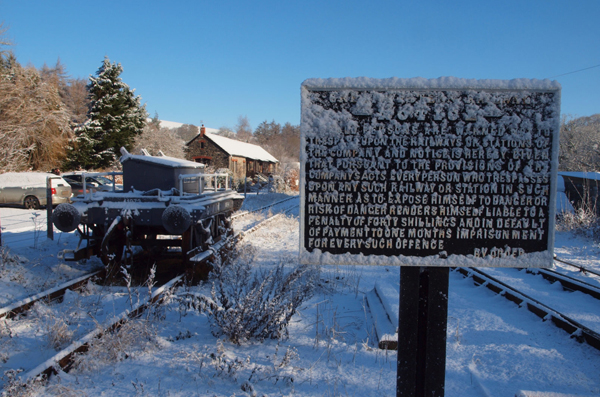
[[202, 131]]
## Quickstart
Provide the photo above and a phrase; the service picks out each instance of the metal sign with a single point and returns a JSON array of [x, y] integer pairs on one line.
[[445, 172]]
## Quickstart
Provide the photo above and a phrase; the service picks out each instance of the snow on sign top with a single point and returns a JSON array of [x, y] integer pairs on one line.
[[419, 83], [441, 172]]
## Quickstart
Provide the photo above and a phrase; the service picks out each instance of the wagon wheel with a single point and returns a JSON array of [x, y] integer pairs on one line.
[[31, 203]]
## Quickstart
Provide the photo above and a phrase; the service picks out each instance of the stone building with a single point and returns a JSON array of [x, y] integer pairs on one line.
[[243, 159]]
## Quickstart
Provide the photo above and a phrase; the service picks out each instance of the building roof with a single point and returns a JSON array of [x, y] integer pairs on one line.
[[242, 149]]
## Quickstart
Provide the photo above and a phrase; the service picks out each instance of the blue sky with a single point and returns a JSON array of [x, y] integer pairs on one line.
[[212, 61]]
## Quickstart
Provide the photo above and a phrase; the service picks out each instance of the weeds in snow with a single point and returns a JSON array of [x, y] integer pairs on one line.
[[341, 278], [37, 229], [11, 266], [217, 362], [127, 279], [13, 385], [457, 330], [584, 221], [57, 331], [134, 337], [254, 305], [5, 341]]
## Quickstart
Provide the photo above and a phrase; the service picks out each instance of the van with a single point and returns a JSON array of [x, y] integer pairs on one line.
[[28, 189]]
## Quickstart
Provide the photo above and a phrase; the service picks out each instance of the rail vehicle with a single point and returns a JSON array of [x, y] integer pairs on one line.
[[168, 208]]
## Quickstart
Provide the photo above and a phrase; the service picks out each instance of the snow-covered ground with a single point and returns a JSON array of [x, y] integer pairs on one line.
[[494, 348]]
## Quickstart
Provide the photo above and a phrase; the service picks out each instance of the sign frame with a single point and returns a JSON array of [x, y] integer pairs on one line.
[[317, 121]]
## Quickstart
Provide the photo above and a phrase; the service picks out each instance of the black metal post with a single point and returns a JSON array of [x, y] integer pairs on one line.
[[423, 319], [49, 227]]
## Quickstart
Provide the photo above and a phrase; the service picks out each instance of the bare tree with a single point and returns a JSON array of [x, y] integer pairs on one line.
[[243, 130], [290, 134], [76, 100], [281, 142], [5, 52], [187, 132], [266, 132], [226, 132], [579, 148], [34, 124], [157, 139], [73, 92]]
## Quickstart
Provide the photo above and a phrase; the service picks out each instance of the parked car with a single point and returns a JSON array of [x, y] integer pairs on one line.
[[29, 189], [93, 183]]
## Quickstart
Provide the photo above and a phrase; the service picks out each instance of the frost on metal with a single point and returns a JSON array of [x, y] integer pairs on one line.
[[444, 172]]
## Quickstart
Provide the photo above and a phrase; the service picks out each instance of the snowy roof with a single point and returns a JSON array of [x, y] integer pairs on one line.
[[581, 174], [31, 179], [162, 160], [428, 84], [242, 149]]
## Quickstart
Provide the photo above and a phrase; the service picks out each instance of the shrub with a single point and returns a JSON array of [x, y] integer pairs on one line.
[[254, 305], [584, 221]]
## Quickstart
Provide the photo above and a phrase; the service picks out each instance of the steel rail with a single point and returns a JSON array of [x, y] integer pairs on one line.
[[568, 283], [66, 357], [49, 295], [208, 254], [576, 330], [581, 268], [241, 214]]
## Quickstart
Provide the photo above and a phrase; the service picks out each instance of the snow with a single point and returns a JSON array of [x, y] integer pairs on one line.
[[163, 160], [493, 347], [29, 179]]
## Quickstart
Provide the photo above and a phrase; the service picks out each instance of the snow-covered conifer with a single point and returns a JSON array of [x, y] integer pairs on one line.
[[114, 119]]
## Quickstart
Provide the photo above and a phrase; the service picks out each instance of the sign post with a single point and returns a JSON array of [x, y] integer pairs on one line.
[[422, 324], [427, 175]]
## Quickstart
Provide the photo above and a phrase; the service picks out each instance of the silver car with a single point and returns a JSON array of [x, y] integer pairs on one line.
[[94, 182], [29, 189]]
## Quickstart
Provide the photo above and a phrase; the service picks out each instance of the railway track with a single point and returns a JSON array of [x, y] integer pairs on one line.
[[64, 359], [574, 328], [568, 283], [582, 269], [50, 295], [266, 207]]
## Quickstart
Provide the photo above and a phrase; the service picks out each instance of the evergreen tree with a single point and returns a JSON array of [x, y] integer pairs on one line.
[[114, 119]]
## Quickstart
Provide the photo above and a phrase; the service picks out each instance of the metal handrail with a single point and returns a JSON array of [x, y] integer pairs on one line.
[[202, 185], [111, 173]]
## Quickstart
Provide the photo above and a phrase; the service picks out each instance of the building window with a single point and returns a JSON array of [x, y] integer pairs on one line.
[[203, 160]]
